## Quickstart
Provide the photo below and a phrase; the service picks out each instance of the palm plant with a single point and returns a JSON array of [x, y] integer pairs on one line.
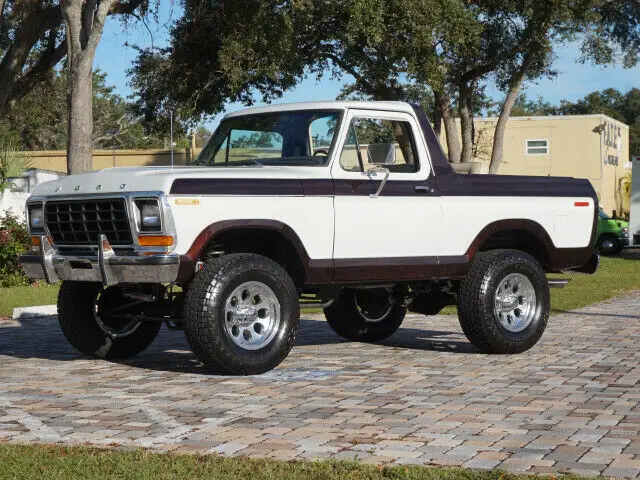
[[13, 162]]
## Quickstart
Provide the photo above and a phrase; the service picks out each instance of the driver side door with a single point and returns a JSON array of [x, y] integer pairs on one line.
[[384, 230]]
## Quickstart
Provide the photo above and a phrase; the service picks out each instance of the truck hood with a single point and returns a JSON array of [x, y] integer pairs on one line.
[[159, 179]]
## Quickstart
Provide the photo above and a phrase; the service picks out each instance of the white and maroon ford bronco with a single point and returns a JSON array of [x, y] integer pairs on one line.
[[353, 202]]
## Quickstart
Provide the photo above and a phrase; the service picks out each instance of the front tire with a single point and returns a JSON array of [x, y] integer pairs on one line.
[[241, 314], [86, 320], [366, 315], [608, 246], [503, 303]]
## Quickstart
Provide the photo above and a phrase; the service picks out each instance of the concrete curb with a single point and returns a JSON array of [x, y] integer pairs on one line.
[[35, 312]]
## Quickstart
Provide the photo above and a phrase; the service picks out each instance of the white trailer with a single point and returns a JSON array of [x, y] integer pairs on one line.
[[634, 224]]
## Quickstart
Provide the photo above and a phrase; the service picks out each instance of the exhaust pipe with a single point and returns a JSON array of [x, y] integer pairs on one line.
[[558, 282]]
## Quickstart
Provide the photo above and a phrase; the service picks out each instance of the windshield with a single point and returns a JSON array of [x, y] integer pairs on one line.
[[603, 215], [300, 138]]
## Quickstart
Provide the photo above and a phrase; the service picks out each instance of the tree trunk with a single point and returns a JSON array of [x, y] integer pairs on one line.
[[436, 118], [450, 127], [84, 20], [505, 112], [80, 126], [466, 122]]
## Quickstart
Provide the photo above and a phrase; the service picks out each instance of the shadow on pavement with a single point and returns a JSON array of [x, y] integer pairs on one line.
[[170, 352]]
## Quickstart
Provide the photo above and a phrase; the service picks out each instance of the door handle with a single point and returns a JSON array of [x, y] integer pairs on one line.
[[422, 189]]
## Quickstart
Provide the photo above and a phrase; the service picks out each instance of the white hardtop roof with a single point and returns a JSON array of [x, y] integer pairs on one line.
[[327, 105]]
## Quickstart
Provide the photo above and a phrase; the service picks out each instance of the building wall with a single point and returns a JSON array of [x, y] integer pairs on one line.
[[56, 160], [13, 203], [576, 148]]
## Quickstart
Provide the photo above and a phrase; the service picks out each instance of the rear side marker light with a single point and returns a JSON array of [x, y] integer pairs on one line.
[[580, 204], [155, 240]]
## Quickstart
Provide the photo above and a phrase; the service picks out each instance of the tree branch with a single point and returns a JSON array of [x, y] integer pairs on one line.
[[39, 71], [125, 8], [349, 69], [73, 19], [33, 27], [87, 20], [104, 8]]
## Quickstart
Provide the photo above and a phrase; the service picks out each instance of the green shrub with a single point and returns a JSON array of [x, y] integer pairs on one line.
[[14, 240]]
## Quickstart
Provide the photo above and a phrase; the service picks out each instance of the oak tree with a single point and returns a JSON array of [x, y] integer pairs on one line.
[[32, 42]]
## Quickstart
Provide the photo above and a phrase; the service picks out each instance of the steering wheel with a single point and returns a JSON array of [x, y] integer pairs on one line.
[[321, 151]]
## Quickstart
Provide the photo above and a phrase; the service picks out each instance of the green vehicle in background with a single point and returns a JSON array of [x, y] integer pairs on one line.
[[613, 235]]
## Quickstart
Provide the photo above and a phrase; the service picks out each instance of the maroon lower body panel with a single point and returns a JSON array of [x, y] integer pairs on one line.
[[366, 270]]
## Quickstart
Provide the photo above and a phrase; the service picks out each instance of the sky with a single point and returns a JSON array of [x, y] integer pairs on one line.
[[575, 80]]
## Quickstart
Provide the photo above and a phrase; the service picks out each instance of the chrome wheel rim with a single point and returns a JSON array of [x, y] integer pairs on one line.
[[372, 315], [515, 302], [252, 315]]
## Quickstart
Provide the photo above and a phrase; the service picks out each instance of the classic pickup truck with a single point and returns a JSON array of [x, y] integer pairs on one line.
[[350, 203]]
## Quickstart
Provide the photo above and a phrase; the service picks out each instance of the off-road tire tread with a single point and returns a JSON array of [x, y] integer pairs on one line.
[[477, 324], [205, 289], [75, 316]]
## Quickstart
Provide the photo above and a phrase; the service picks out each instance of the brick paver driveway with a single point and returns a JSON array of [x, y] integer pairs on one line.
[[424, 396]]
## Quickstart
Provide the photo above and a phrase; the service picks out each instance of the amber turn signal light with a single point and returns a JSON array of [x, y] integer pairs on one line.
[[155, 240], [35, 241]]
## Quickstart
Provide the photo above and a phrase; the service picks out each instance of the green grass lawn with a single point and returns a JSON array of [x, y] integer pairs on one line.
[[615, 276], [32, 295], [56, 462]]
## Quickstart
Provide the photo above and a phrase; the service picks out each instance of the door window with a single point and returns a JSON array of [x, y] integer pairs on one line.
[[376, 142]]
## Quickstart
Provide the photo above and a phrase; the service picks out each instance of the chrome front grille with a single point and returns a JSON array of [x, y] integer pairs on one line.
[[81, 222]]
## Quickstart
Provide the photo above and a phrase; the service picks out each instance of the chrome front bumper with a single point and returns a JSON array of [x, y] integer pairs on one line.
[[107, 267]]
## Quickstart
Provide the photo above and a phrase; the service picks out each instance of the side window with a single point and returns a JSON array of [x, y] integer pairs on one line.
[[247, 145], [375, 142], [321, 131]]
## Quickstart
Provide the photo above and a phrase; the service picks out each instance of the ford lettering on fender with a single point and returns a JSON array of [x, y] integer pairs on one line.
[[353, 202]]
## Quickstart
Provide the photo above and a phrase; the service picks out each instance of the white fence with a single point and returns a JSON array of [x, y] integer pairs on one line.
[[13, 198], [13, 202]]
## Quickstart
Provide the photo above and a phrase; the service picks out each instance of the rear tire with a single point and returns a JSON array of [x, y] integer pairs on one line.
[[503, 303], [241, 314], [83, 318], [365, 315]]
